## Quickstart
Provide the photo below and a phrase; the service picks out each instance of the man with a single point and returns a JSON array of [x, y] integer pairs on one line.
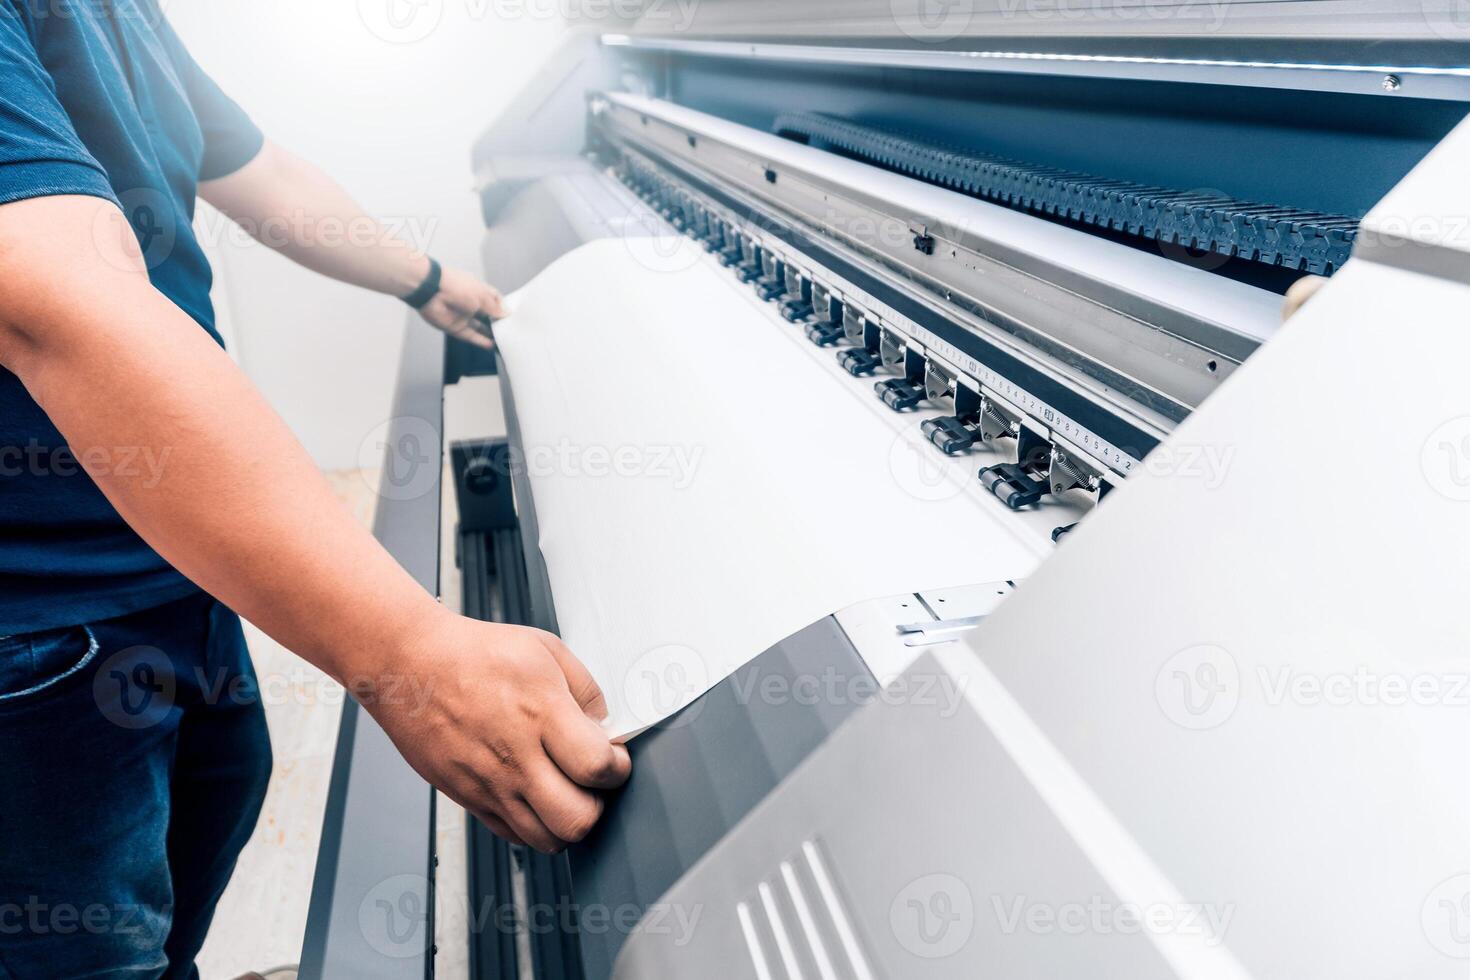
[[121, 816]]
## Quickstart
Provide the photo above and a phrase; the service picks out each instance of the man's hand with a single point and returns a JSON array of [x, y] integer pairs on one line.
[[505, 727], [461, 298], [1300, 292]]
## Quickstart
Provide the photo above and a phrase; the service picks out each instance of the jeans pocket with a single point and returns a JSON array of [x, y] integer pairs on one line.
[[32, 663]]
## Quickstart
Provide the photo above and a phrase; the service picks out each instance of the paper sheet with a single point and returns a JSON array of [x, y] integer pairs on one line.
[[704, 487]]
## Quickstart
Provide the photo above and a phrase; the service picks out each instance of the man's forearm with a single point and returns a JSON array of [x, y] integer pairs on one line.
[[239, 507], [293, 207]]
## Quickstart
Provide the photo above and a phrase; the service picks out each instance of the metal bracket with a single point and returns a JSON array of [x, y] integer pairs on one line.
[[798, 288], [823, 333], [923, 241], [1067, 474], [937, 381], [949, 434], [994, 423], [1013, 485], [796, 310], [1033, 449], [899, 394], [858, 361], [732, 253], [772, 282], [939, 631], [891, 348], [752, 262]]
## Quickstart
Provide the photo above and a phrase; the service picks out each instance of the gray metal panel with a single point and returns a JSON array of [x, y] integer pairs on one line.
[[902, 849], [1247, 26], [1359, 78], [370, 913], [698, 774]]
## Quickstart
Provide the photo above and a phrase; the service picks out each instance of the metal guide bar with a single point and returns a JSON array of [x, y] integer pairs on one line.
[[1149, 338], [1383, 80], [1093, 429], [377, 844], [1089, 429], [1308, 241]]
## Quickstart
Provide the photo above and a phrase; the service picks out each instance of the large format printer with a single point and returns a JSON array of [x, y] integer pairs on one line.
[[1051, 231]]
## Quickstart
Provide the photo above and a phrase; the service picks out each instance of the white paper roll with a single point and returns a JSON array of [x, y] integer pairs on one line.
[[707, 483]]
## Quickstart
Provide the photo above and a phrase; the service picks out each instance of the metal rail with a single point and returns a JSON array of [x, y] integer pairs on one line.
[[1401, 81], [1105, 346], [1298, 239], [372, 904]]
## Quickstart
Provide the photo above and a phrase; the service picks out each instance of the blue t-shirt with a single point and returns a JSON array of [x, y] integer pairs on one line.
[[100, 98]]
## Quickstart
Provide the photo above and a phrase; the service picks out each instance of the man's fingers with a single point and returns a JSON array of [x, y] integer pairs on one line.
[[1301, 291], [457, 319], [580, 748], [464, 330], [568, 811], [529, 827], [579, 679], [499, 827], [492, 304]]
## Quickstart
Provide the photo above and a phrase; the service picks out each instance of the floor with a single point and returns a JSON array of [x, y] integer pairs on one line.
[[261, 919]]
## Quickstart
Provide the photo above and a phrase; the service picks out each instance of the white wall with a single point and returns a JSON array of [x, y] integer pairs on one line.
[[389, 105]]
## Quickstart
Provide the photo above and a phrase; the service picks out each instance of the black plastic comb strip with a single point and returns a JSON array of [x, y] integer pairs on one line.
[[1307, 241]]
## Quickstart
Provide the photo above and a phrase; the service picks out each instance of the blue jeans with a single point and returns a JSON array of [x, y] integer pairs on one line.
[[133, 761]]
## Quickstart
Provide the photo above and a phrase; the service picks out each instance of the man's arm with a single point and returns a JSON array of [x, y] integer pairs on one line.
[[241, 510], [291, 206]]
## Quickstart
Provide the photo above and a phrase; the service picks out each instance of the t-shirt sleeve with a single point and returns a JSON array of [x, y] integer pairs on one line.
[[231, 138], [40, 152]]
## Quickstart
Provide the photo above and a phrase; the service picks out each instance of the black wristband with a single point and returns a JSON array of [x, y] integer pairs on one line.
[[428, 289]]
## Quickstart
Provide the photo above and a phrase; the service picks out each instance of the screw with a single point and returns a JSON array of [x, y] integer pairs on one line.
[[1392, 83]]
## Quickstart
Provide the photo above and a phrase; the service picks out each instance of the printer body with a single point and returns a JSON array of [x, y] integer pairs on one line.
[[1055, 231]]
